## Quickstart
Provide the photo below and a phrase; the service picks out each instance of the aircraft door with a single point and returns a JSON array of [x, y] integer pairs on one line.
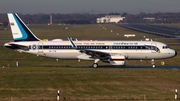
[[40, 47], [110, 48]]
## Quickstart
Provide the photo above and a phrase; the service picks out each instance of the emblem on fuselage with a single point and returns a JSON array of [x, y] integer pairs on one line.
[[34, 47], [159, 52]]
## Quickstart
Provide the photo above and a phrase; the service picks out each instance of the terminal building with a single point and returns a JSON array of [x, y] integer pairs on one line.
[[110, 19]]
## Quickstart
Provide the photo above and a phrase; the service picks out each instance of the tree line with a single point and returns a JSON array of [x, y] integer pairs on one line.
[[76, 18]]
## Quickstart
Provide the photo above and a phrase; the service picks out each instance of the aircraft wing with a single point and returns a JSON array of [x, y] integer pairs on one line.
[[92, 53], [95, 54]]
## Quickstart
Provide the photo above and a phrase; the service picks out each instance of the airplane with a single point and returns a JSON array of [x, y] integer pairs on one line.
[[113, 52]]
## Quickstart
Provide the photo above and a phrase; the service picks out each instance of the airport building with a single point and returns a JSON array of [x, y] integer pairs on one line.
[[110, 19], [149, 18]]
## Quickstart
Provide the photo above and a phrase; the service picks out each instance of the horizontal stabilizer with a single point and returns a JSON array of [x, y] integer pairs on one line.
[[16, 46]]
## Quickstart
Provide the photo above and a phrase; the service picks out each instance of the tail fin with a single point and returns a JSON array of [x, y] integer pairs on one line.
[[19, 30]]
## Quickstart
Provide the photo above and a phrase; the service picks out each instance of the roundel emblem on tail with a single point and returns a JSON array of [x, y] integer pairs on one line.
[[34, 47]]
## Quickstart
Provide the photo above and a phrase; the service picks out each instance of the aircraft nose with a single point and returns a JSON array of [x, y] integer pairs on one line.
[[175, 53], [172, 53]]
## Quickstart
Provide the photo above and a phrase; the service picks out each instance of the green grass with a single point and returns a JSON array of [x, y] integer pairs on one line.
[[78, 31], [85, 83]]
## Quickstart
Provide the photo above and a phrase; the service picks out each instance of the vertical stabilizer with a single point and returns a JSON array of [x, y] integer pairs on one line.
[[19, 30]]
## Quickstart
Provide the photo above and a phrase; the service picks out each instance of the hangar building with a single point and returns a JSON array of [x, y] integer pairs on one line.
[[110, 19]]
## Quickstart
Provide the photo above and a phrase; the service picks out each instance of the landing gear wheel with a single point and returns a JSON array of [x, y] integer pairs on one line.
[[95, 65], [153, 63]]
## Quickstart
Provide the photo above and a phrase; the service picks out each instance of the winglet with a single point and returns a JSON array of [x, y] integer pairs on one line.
[[72, 39], [72, 43]]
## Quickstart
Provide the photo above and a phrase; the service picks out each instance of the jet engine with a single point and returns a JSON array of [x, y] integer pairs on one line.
[[116, 60]]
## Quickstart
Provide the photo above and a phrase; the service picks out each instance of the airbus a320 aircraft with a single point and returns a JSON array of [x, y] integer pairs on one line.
[[113, 52]]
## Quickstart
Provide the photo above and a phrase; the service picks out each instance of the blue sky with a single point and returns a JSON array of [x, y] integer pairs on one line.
[[91, 6]]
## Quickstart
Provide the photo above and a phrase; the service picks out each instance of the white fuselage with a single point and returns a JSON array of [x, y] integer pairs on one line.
[[129, 49]]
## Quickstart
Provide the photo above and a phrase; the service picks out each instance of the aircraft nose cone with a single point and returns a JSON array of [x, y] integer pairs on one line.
[[175, 53]]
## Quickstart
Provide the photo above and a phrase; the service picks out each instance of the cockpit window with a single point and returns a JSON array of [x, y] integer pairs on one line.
[[152, 48], [165, 47]]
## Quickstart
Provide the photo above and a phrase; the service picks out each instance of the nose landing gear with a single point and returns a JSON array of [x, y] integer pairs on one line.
[[95, 65], [153, 63]]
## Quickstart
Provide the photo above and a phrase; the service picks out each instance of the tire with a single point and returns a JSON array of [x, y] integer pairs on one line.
[[95, 65]]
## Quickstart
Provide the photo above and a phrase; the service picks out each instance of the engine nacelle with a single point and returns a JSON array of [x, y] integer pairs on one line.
[[117, 60]]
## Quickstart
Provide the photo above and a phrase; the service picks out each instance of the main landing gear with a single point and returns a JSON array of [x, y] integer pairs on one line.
[[95, 65], [153, 63]]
